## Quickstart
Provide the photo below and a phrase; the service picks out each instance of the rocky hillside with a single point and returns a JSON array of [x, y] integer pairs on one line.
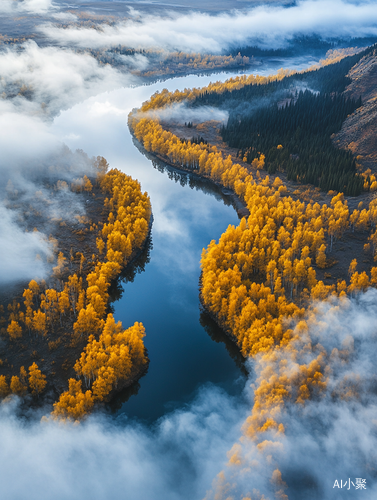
[[358, 132]]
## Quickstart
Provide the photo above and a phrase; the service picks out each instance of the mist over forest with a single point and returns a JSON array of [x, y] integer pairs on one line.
[[58, 57]]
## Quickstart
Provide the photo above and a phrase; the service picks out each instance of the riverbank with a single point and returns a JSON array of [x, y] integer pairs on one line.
[[238, 204], [64, 314]]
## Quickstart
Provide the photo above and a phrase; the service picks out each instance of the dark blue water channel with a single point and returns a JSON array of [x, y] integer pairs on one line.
[[185, 347]]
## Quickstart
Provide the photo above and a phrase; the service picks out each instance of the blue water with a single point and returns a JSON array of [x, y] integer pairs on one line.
[[165, 299], [185, 348]]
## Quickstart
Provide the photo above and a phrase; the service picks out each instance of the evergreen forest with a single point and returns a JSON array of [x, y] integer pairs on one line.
[[296, 139], [291, 122]]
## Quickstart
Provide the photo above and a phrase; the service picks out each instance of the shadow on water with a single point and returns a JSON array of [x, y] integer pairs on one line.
[[116, 290], [184, 357], [123, 396], [136, 266], [216, 334], [219, 336], [190, 179]]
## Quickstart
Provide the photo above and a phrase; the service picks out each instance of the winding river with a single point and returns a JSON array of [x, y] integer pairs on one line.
[[185, 347]]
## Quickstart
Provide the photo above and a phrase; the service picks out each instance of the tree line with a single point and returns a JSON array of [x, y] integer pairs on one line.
[[303, 128], [326, 79], [80, 300], [260, 283]]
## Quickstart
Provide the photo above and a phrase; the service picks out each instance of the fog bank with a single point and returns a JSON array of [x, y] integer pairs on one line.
[[31, 157], [45, 80], [104, 460], [267, 26], [331, 438], [25, 6]]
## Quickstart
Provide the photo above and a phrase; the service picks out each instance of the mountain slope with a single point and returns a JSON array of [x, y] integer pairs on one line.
[[358, 131]]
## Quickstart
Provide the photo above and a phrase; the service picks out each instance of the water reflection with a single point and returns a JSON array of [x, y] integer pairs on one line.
[[218, 335], [123, 396], [193, 180], [165, 298], [134, 267]]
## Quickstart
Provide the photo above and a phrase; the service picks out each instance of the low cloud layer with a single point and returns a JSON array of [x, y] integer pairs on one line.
[[330, 438], [180, 113], [35, 85], [43, 81], [31, 156], [18, 250], [25, 6], [265, 25], [101, 460], [24, 143], [326, 440]]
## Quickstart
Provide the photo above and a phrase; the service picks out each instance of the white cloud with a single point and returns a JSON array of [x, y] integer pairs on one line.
[[24, 139], [31, 155], [55, 78], [271, 25], [72, 137], [19, 250], [325, 440], [180, 113], [100, 460], [64, 16], [333, 436], [27, 6]]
